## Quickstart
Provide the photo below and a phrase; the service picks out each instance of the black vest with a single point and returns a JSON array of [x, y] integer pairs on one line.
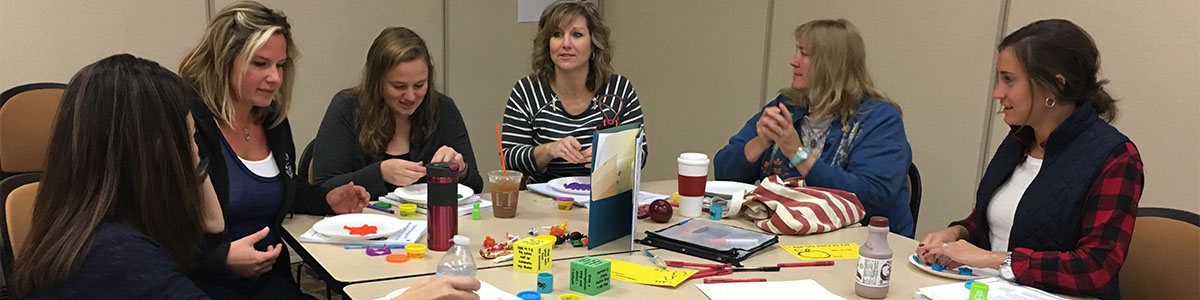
[[1049, 216]]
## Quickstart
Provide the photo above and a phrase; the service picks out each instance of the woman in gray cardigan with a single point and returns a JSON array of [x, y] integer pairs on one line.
[[381, 133]]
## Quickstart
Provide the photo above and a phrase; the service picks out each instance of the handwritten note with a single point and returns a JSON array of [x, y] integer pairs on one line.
[[635, 273], [823, 251]]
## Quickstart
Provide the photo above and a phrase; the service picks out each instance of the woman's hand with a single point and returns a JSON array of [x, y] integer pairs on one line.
[[348, 198], [443, 288], [934, 240], [959, 253], [776, 125], [244, 260], [568, 148], [401, 172], [447, 154]]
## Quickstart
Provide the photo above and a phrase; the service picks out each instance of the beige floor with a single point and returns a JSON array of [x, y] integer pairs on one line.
[[309, 284]]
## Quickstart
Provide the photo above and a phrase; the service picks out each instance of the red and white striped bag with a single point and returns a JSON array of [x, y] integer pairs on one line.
[[789, 207]]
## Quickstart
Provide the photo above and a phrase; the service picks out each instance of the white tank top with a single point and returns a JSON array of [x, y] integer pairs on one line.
[[1003, 208], [265, 168]]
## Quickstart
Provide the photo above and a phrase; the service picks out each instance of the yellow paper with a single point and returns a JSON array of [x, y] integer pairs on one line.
[[635, 273], [823, 251]]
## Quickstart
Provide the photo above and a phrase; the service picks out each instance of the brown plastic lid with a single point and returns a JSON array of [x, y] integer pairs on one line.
[[879, 221]]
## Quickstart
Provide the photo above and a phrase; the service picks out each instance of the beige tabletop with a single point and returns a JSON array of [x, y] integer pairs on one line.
[[533, 210], [838, 279]]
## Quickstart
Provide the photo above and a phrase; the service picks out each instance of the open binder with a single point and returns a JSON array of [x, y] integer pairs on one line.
[[709, 240]]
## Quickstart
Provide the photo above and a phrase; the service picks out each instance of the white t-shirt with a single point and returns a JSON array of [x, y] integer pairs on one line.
[[1003, 207], [265, 168]]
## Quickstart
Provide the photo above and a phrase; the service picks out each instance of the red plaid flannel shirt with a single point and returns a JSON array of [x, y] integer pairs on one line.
[[1109, 212]]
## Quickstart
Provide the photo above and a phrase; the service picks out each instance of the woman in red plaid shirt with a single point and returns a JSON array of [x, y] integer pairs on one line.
[[1056, 205]]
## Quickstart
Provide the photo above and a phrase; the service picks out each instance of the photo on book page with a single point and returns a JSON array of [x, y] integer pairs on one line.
[[613, 168]]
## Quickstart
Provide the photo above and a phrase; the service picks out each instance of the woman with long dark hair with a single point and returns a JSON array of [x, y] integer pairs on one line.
[[120, 209], [382, 132]]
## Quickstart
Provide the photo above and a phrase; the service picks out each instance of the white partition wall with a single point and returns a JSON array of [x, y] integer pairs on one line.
[[488, 52], [51, 40], [701, 68], [697, 69]]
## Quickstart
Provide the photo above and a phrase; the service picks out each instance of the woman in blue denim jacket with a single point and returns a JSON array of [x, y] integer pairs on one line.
[[831, 127]]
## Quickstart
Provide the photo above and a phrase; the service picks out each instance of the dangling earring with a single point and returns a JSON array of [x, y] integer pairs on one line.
[[1050, 102], [593, 56]]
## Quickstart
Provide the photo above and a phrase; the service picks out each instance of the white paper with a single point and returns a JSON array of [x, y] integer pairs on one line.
[[413, 230], [486, 292], [767, 290], [531, 10], [998, 289]]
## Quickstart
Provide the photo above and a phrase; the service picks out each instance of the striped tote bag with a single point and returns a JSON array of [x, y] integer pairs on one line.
[[789, 207]]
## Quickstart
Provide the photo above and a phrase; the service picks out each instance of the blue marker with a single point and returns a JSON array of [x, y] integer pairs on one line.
[[353, 247]]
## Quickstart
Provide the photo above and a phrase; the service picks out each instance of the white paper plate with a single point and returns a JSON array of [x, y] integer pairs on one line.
[[334, 227], [418, 193], [558, 184], [727, 187], [976, 273]]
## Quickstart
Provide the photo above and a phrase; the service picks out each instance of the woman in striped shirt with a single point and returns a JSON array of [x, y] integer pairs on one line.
[[551, 114]]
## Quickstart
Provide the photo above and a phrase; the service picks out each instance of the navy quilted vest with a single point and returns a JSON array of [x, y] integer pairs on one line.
[[1049, 216]]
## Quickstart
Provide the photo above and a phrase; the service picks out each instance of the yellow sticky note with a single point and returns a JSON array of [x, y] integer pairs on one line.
[[635, 273], [823, 251]]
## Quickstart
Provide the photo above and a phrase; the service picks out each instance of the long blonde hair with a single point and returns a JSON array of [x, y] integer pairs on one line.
[[230, 40], [599, 64], [374, 118], [838, 76]]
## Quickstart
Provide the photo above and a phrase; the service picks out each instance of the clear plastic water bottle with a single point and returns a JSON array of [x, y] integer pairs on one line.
[[458, 260]]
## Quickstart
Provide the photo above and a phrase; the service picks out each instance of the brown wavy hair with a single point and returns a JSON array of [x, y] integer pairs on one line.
[[374, 119], [230, 40], [599, 64], [120, 152], [1053, 47], [838, 74]]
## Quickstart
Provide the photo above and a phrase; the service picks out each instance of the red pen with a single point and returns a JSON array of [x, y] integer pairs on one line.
[[725, 280], [711, 272], [677, 264], [807, 264]]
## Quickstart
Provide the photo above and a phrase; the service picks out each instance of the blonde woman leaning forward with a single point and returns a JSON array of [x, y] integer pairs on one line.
[[243, 70]]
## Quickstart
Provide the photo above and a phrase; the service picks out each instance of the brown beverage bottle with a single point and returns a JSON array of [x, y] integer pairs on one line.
[[874, 261]]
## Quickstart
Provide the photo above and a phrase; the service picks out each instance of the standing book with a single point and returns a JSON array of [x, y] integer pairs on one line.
[[616, 159]]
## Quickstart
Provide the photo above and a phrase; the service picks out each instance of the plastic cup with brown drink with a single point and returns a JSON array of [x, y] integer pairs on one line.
[[505, 189]]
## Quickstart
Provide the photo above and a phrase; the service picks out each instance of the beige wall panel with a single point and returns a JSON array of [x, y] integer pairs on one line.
[[51, 40], [333, 37], [1149, 52], [488, 52], [933, 59], [697, 68]]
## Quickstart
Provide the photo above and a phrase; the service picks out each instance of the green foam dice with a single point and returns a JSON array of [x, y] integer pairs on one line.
[[590, 275]]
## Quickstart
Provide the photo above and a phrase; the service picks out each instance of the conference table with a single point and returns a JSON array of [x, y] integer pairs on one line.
[[363, 277]]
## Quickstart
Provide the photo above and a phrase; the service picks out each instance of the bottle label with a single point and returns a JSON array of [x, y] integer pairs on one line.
[[873, 272]]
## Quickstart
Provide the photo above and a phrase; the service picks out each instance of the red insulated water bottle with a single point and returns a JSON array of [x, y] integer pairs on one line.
[[442, 205]]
